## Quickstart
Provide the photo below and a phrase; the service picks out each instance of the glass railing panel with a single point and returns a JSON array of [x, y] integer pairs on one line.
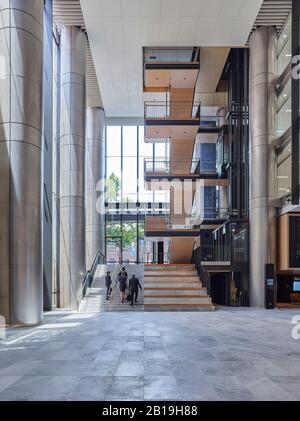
[[172, 110], [171, 55], [215, 253], [174, 167]]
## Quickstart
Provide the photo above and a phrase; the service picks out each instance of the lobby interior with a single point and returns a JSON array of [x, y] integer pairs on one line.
[[161, 136]]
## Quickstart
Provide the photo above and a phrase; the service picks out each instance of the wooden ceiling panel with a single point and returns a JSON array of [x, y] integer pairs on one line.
[[174, 78]]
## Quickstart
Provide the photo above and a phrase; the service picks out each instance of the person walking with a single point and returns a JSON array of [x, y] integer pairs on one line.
[[134, 285], [108, 283], [122, 285], [123, 272]]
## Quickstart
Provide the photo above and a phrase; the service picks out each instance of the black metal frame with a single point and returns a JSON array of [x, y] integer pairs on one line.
[[295, 100], [134, 218]]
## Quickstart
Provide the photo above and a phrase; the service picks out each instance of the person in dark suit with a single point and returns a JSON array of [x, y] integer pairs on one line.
[[134, 285], [123, 273], [108, 283]]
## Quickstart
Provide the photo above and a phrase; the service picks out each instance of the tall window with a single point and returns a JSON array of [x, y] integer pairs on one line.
[[284, 113], [126, 195]]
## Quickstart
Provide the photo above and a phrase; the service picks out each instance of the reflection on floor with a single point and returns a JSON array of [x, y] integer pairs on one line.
[[231, 354]]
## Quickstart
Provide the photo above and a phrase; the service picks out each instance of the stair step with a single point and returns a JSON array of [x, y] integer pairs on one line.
[[178, 300], [175, 291], [169, 273], [164, 295], [167, 265], [172, 278], [179, 307], [173, 285]]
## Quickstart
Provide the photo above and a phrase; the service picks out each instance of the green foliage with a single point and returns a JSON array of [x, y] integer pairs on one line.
[[113, 188], [129, 233]]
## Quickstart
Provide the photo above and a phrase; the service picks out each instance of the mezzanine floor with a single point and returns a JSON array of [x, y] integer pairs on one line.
[[230, 354]]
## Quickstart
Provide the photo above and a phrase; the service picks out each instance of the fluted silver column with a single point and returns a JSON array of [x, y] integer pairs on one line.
[[262, 159], [21, 82], [95, 125], [72, 165]]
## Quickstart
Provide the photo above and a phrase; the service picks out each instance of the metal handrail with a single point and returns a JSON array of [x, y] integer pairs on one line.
[[89, 275], [163, 109], [172, 166], [215, 212], [202, 273]]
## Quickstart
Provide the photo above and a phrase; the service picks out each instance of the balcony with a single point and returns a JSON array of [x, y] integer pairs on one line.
[[212, 124], [158, 169], [166, 68], [209, 215], [155, 170], [160, 226], [172, 110], [171, 119]]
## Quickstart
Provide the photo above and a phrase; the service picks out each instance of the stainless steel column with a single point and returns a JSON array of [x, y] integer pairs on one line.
[[223, 202], [262, 159], [95, 125], [72, 165], [21, 83]]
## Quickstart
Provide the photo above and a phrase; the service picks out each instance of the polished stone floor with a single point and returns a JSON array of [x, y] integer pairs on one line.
[[230, 354]]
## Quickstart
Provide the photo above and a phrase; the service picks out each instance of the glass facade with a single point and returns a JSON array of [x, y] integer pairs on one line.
[[127, 199], [284, 48], [284, 114]]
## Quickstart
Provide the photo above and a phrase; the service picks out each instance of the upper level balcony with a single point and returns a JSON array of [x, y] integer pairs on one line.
[[167, 68], [161, 226], [171, 119], [179, 120], [193, 169], [212, 124]]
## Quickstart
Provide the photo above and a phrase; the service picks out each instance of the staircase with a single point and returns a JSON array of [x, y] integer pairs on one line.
[[174, 288], [95, 299]]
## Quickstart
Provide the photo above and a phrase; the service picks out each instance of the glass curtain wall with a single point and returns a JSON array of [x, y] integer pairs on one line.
[[127, 199], [284, 110]]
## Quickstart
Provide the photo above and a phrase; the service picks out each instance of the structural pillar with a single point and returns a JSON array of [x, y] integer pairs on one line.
[[223, 202], [262, 210], [48, 156], [21, 99], [95, 126], [72, 166]]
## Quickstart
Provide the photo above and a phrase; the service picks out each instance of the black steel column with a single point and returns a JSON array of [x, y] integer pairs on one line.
[[160, 252], [295, 103]]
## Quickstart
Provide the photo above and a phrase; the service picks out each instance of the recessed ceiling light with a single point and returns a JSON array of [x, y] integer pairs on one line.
[[285, 35]]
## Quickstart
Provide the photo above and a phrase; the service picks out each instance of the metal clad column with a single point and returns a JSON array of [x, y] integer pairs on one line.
[[72, 165], [262, 159], [21, 85], [95, 125]]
